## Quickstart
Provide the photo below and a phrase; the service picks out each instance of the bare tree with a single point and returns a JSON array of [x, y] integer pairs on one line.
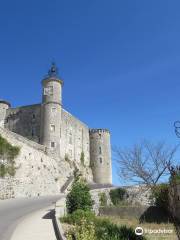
[[145, 163]]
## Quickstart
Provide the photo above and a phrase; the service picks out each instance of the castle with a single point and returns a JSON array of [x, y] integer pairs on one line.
[[62, 136]]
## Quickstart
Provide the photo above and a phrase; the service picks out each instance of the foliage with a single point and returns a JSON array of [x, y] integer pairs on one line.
[[117, 195], [83, 231], [160, 194], [90, 227], [82, 158], [102, 199], [77, 216], [7, 151], [79, 197], [7, 154], [105, 230], [145, 163]]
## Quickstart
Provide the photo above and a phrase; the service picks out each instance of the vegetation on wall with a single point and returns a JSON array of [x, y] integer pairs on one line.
[[7, 155], [103, 199], [117, 195]]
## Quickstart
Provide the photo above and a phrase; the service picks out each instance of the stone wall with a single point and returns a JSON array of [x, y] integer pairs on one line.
[[37, 174], [137, 195]]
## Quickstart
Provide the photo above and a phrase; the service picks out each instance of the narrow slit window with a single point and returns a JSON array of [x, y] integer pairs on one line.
[[53, 144], [100, 150], [52, 127], [100, 160]]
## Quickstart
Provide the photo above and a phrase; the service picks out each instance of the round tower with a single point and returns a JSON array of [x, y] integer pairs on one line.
[[51, 111], [100, 154], [4, 105]]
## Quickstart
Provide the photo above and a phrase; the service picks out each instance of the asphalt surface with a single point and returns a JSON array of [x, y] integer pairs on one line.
[[12, 212]]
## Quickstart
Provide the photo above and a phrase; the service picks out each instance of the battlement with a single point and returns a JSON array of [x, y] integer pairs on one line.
[[99, 130]]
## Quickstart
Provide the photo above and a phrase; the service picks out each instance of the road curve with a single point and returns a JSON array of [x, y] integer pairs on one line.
[[13, 210]]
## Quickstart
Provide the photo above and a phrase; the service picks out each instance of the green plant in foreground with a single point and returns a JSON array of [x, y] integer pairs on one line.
[[88, 227], [79, 197], [83, 231]]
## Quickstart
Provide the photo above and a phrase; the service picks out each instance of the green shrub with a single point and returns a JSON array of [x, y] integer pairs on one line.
[[160, 195], [102, 199], [82, 231], [79, 197], [106, 230], [89, 227], [77, 216], [117, 195]]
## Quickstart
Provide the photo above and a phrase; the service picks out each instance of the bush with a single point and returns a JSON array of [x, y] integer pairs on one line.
[[89, 227], [102, 199], [82, 231], [160, 195], [77, 216], [117, 195], [79, 197], [106, 230]]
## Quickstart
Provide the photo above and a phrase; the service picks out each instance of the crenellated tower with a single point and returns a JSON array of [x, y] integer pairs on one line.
[[100, 154], [4, 105], [51, 111]]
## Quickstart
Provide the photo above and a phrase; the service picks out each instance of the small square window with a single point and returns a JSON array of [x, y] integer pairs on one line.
[[52, 127], [53, 110], [48, 91], [53, 144]]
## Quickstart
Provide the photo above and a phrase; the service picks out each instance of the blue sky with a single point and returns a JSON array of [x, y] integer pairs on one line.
[[119, 61]]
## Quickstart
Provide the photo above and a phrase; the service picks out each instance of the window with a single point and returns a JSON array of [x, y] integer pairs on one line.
[[33, 132], [53, 144], [100, 160], [48, 91], [70, 152], [33, 116], [52, 127], [100, 151], [53, 110]]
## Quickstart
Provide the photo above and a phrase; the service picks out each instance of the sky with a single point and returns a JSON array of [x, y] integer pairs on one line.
[[119, 61]]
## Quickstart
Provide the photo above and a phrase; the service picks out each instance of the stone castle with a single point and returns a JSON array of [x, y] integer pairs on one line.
[[53, 144]]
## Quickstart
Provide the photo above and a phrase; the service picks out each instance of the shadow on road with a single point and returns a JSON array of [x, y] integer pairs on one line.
[[51, 215]]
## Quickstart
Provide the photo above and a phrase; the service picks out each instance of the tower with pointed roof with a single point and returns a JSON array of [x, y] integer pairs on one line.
[[51, 109]]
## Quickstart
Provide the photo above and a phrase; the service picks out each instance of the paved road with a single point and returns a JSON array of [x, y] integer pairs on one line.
[[12, 211]]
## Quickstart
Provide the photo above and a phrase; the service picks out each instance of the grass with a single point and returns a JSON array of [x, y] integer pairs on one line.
[[133, 222]]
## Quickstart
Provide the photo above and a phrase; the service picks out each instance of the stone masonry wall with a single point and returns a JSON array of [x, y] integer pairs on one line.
[[37, 174]]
